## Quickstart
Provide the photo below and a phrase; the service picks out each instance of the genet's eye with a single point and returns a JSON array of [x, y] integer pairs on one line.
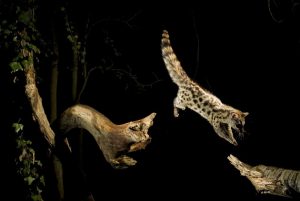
[[235, 116], [239, 126]]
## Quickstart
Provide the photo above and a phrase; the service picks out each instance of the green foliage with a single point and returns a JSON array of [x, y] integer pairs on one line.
[[15, 66], [25, 16], [18, 32], [72, 33], [28, 167], [18, 127]]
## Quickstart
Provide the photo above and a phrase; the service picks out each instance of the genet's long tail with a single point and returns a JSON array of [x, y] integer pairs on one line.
[[176, 72]]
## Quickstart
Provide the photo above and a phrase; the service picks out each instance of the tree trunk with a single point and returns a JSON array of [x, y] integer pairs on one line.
[[58, 169], [74, 70], [54, 75]]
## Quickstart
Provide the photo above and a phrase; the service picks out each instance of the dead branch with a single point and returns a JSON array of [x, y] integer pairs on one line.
[[113, 140], [35, 101], [268, 179]]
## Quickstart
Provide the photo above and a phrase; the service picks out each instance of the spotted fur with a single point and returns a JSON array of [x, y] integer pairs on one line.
[[223, 118]]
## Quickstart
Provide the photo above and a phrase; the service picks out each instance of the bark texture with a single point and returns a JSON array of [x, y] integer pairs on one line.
[[35, 101], [269, 179], [113, 140]]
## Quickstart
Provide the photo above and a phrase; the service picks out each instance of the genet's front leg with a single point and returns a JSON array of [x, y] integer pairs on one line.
[[178, 104]]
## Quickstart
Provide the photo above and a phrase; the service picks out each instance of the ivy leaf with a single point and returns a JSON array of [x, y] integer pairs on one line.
[[25, 63], [42, 180], [25, 17], [18, 127], [34, 48], [36, 197], [29, 180], [38, 163], [15, 66], [70, 38], [7, 32]]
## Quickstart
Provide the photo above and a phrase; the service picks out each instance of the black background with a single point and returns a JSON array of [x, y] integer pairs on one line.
[[245, 58]]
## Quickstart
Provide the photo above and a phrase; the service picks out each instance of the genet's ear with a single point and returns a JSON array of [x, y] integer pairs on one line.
[[246, 114]]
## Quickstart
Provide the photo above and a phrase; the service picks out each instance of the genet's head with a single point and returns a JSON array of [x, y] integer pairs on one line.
[[237, 121]]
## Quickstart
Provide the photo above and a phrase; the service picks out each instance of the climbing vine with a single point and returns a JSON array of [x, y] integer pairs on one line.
[[18, 35], [28, 167]]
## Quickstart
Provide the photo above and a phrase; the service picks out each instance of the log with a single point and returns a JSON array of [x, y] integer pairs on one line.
[[269, 179], [113, 140]]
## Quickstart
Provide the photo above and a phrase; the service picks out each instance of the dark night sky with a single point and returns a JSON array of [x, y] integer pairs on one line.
[[245, 58]]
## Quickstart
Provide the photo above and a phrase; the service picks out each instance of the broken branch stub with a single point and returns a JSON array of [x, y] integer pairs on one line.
[[269, 179], [113, 140]]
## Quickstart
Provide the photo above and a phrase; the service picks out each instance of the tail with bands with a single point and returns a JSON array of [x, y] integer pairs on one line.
[[176, 72]]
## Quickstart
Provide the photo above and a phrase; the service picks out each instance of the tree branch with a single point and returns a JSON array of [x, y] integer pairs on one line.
[[268, 179], [35, 101], [113, 140]]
